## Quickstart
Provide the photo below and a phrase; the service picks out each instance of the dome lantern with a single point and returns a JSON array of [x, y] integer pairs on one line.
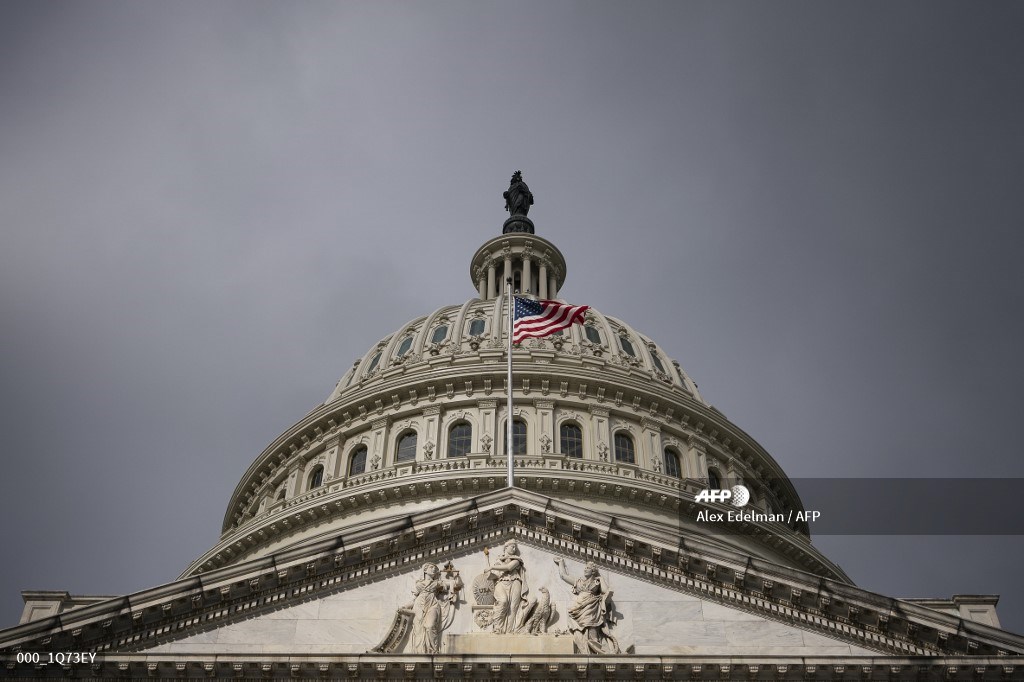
[[536, 266]]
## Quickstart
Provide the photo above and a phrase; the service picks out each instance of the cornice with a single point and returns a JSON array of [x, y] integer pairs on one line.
[[490, 667]]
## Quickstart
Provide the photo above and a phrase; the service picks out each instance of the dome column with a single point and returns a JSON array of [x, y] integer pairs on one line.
[[507, 273], [600, 434], [553, 287], [294, 479], [542, 279], [488, 426], [491, 293], [431, 432], [527, 279], [697, 459], [652, 445], [545, 423], [331, 462], [378, 454], [481, 284]]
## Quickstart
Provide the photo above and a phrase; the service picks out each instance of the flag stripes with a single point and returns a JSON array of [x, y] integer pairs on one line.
[[541, 318]]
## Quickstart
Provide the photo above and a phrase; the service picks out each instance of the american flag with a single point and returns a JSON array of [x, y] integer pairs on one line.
[[540, 318]]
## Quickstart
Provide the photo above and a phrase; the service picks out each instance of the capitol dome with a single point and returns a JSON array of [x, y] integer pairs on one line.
[[604, 419]]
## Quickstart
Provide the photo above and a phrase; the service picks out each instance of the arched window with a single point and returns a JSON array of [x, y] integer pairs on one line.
[[357, 464], [404, 347], [439, 334], [518, 437], [460, 439], [627, 347], [593, 335], [373, 363], [672, 464], [570, 440], [476, 327], [406, 451], [714, 480], [280, 494], [624, 448], [316, 479], [657, 362]]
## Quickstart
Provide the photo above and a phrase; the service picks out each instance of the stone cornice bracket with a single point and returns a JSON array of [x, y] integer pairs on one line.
[[652, 424], [698, 443]]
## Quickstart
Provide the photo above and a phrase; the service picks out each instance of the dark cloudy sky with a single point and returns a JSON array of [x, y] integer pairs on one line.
[[209, 210]]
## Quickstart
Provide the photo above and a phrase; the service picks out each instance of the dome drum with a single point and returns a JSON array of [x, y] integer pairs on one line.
[[602, 398]]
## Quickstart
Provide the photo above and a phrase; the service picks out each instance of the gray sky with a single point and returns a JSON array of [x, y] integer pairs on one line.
[[209, 210]]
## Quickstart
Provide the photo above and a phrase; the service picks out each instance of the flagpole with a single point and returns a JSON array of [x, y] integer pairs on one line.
[[508, 437]]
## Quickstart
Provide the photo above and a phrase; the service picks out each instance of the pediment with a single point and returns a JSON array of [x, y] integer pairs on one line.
[[650, 618], [338, 595]]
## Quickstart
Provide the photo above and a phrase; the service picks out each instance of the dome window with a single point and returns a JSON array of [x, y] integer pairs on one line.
[[570, 440], [476, 327], [714, 480], [624, 451], [593, 335], [406, 451], [518, 437], [357, 464], [280, 494], [672, 464], [627, 347], [657, 362], [316, 479], [682, 379], [404, 347], [373, 363], [460, 439], [439, 334]]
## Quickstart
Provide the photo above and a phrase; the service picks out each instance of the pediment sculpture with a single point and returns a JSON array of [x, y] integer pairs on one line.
[[506, 604], [435, 598]]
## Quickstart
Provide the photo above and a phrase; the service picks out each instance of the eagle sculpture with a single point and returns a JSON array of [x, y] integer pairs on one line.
[[537, 615]]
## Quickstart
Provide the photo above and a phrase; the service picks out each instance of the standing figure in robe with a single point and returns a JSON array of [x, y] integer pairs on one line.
[[510, 588], [434, 599], [590, 615], [518, 197]]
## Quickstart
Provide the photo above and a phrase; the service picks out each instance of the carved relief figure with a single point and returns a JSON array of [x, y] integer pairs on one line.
[[590, 615], [433, 606], [518, 197], [510, 588]]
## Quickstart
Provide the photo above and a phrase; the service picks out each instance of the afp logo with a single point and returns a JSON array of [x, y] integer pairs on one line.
[[737, 496]]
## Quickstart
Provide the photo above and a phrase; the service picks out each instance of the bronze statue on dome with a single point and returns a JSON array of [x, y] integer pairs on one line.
[[518, 197]]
